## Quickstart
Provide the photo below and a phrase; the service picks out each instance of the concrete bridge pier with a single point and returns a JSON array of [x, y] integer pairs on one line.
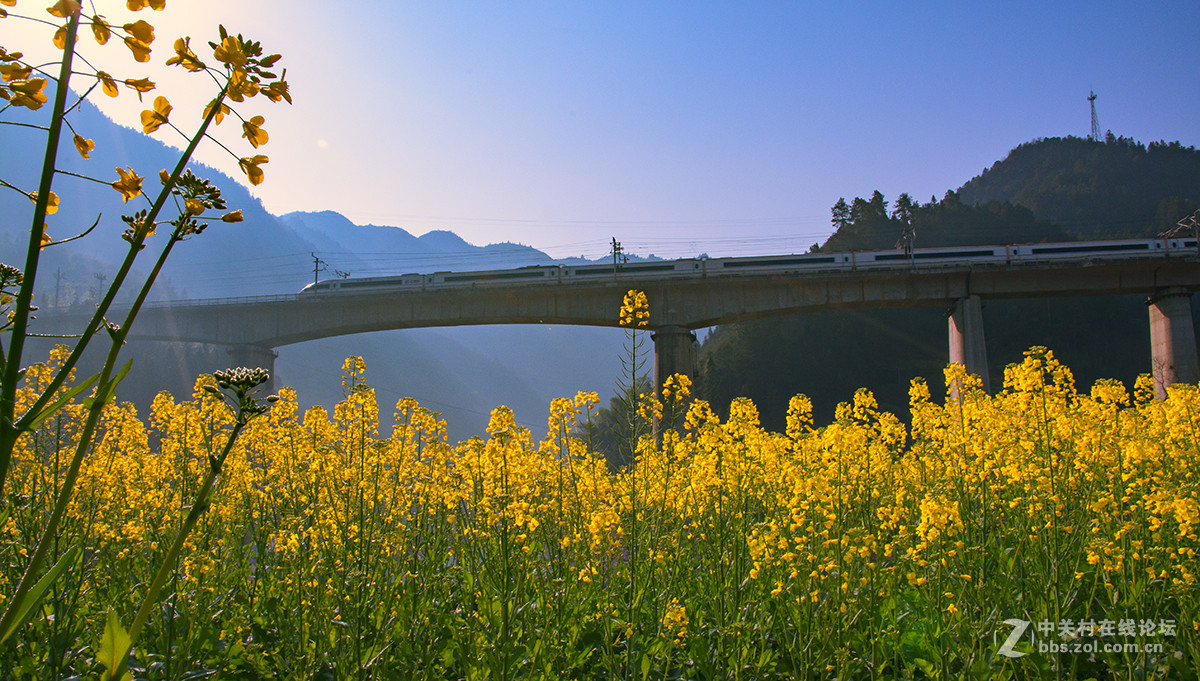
[[672, 353], [1172, 339], [967, 345], [252, 356]]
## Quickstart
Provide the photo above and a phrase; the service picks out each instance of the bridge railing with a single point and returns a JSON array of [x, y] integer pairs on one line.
[[236, 300], [183, 302]]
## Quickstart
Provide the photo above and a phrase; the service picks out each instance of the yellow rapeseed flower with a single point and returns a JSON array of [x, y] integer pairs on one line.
[[101, 30], [64, 8], [185, 57], [152, 120], [140, 85], [107, 84], [252, 131], [635, 310], [83, 146], [28, 93], [130, 184], [140, 49], [250, 166], [219, 115], [229, 52], [51, 203]]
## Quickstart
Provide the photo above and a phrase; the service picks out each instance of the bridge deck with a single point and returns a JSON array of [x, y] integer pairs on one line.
[[688, 301]]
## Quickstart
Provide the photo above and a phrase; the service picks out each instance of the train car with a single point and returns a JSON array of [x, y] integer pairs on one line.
[[533, 274], [962, 255], [641, 269], [1182, 245], [1094, 250], [406, 281], [780, 263], [1088, 249]]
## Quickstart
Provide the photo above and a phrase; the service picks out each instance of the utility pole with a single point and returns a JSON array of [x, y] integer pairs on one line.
[[907, 241], [58, 275], [319, 266], [1095, 136], [616, 253], [100, 278]]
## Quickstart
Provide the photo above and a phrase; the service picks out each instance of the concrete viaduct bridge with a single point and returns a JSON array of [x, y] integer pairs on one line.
[[250, 328]]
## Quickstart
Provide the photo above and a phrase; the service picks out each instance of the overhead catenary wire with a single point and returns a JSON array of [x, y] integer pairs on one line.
[[296, 267], [677, 223], [597, 248]]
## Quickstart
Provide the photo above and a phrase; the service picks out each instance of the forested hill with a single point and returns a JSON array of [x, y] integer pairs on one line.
[[1116, 188], [1052, 189], [1047, 190], [868, 225]]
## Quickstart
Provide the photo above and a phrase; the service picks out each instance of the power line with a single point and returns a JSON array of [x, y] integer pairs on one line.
[[685, 223]]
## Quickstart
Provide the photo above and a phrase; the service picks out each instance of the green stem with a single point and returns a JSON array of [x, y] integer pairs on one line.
[[29, 578], [66, 492], [12, 367], [167, 567]]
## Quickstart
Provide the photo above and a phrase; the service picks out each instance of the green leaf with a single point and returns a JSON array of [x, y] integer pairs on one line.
[[114, 646], [58, 404], [31, 599], [105, 393]]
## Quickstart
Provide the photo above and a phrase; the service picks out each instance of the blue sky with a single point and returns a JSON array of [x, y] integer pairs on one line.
[[679, 127]]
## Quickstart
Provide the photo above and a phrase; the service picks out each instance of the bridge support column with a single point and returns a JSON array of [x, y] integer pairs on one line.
[[672, 353], [967, 345], [252, 356], [1172, 339]]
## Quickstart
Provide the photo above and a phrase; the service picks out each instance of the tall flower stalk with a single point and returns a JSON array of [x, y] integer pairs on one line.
[[241, 71]]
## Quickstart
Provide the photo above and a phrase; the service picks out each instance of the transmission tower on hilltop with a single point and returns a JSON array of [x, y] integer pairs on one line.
[[1095, 136]]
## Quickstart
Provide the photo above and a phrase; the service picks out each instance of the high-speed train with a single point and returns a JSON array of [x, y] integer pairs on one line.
[[778, 264]]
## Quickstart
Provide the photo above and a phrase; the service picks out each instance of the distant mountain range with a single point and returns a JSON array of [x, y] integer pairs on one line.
[[265, 254], [462, 372]]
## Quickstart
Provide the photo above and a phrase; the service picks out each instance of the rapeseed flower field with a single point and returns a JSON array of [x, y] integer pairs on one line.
[[866, 548], [1039, 533]]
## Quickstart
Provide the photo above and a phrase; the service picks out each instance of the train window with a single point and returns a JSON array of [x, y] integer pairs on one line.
[[1091, 248]]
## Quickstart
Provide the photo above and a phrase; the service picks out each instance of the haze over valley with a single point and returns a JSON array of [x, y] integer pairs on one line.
[[461, 372]]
